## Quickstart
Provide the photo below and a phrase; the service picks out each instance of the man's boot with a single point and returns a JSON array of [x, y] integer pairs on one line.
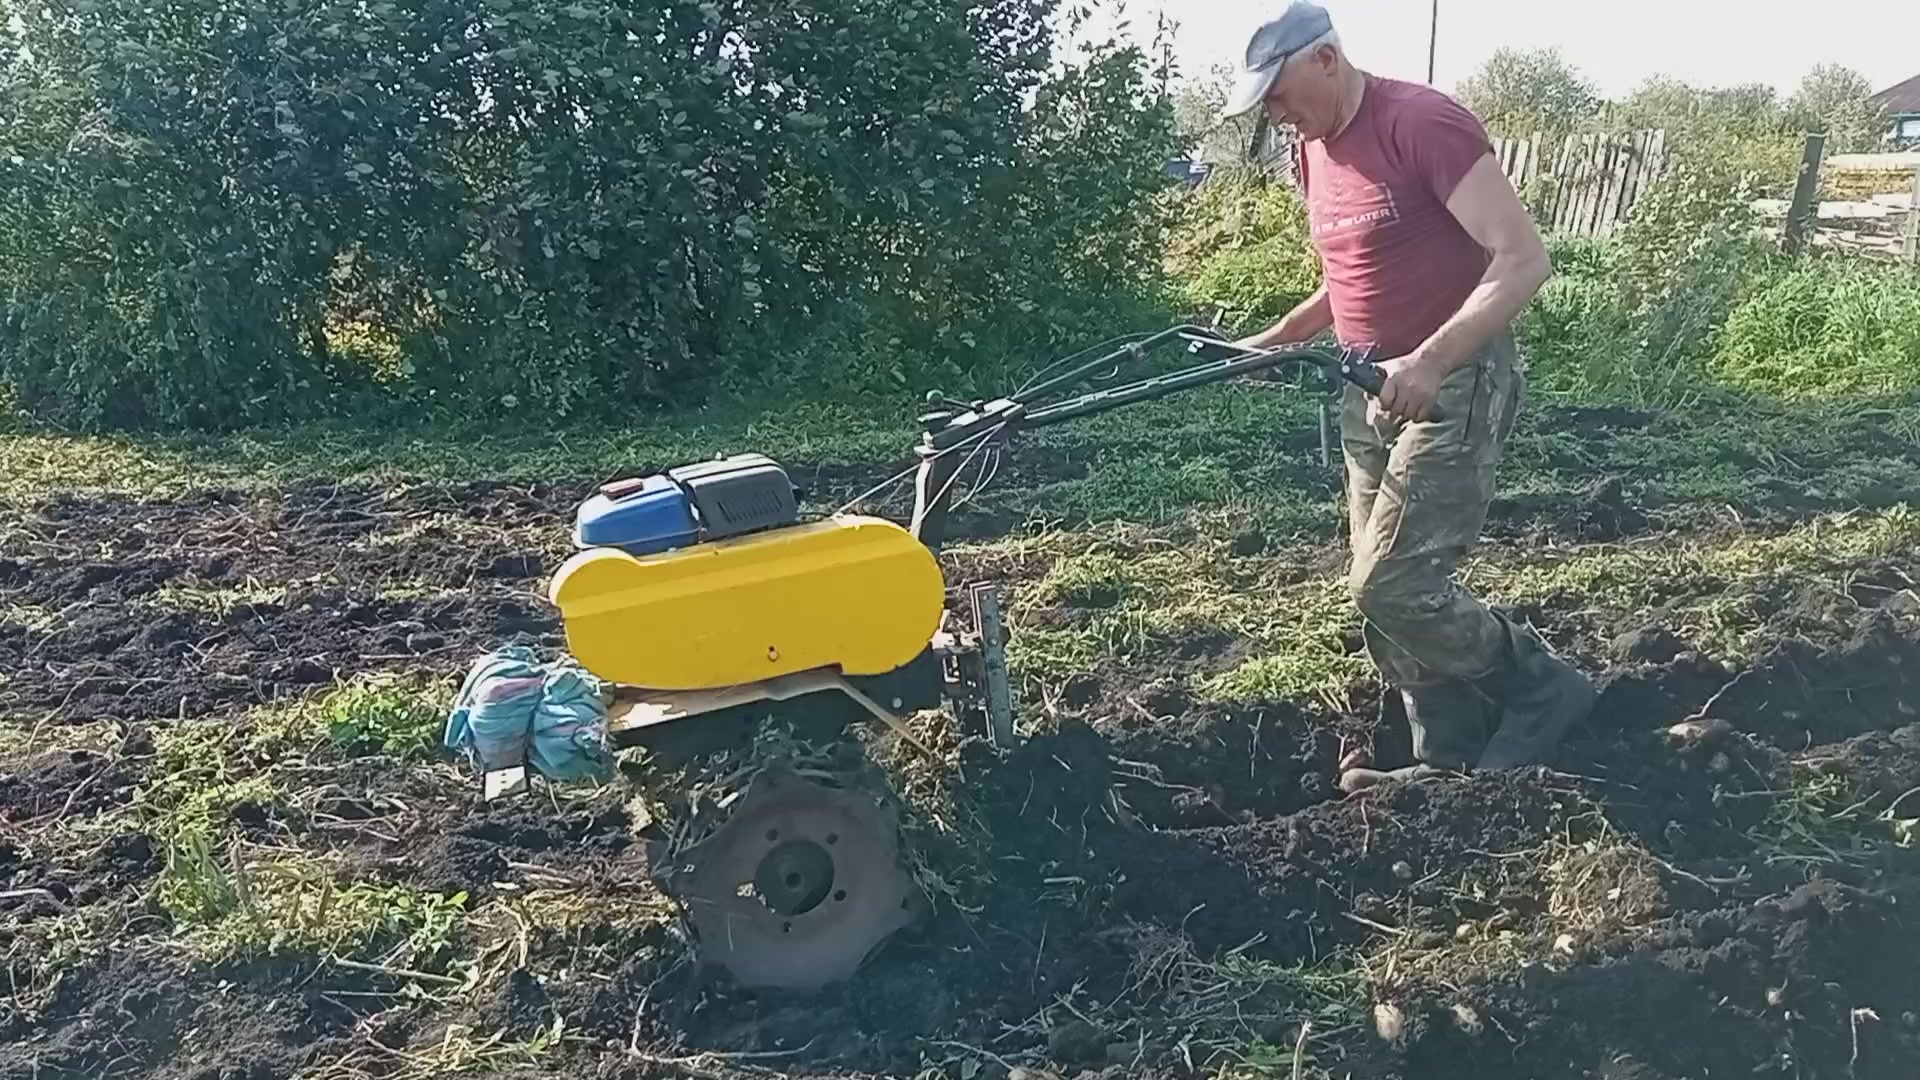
[[1540, 698], [1449, 722]]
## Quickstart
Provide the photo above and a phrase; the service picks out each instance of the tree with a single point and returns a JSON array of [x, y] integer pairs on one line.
[[1529, 91], [1198, 123], [1738, 134], [1665, 102], [1839, 101], [212, 219]]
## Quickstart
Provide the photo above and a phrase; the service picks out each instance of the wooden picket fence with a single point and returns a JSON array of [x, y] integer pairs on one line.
[[1583, 185]]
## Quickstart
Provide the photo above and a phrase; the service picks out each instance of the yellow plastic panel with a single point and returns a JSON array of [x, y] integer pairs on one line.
[[856, 593]]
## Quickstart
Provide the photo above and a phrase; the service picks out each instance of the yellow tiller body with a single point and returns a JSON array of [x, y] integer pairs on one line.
[[856, 594]]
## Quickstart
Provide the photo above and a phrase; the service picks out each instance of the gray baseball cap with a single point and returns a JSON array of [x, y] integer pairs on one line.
[[1300, 25]]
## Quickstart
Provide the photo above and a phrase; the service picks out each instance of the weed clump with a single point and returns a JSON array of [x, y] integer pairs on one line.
[[1826, 331], [387, 714], [288, 903], [197, 783], [211, 780]]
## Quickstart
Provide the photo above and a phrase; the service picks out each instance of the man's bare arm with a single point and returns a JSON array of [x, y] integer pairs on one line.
[[1311, 316], [1486, 206]]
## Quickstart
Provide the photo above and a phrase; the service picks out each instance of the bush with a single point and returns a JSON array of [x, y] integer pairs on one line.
[[535, 211], [1634, 319], [1242, 243], [1576, 333], [1826, 331]]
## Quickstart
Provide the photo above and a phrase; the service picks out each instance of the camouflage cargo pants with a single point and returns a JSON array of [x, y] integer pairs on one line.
[[1417, 496]]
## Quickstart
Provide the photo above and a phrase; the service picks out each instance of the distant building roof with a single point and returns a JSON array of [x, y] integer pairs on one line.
[[1901, 98]]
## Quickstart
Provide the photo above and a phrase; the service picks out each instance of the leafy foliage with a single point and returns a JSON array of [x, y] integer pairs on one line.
[[1243, 244], [1664, 101], [1728, 131], [1634, 319], [1575, 332], [1197, 104], [1690, 249], [212, 218], [1839, 101], [1529, 91], [386, 715]]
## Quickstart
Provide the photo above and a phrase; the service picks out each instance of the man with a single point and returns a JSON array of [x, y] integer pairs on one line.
[[1427, 256]]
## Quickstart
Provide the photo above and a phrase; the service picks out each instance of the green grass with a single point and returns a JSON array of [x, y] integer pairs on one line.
[[1712, 580], [234, 897], [197, 781], [1826, 330], [1248, 451], [1131, 595], [276, 902], [219, 601], [37, 466], [204, 770], [231, 893]]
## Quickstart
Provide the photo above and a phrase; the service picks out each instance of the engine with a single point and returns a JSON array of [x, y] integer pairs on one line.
[[711, 500], [704, 577]]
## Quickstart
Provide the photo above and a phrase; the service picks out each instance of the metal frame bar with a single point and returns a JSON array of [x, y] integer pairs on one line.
[[948, 430]]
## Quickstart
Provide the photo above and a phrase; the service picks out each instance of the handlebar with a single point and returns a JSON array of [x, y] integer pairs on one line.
[[1363, 373], [951, 426]]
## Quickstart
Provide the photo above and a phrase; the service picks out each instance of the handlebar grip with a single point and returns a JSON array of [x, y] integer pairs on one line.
[[1364, 374], [1372, 378]]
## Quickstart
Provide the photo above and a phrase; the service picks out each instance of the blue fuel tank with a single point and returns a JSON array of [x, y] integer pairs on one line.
[[645, 516]]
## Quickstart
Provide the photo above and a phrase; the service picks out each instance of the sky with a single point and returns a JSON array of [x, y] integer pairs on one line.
[[1615, 45]]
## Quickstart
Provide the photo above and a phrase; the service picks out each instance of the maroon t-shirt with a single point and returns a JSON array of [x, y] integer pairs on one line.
[[1396, 263]]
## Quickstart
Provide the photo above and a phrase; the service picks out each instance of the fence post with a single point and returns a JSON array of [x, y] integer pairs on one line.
[[1801, 212], [1257, 145], [1910, 247]]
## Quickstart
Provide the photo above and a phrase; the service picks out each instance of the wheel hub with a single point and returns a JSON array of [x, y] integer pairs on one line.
[[795, 877], [799, 887]]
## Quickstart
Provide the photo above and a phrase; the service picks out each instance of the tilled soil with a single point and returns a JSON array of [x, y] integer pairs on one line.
[[1660, 904]]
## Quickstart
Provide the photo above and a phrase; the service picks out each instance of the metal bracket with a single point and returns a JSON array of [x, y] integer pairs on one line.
[[986, 615], [636, 710], [505, 783]]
